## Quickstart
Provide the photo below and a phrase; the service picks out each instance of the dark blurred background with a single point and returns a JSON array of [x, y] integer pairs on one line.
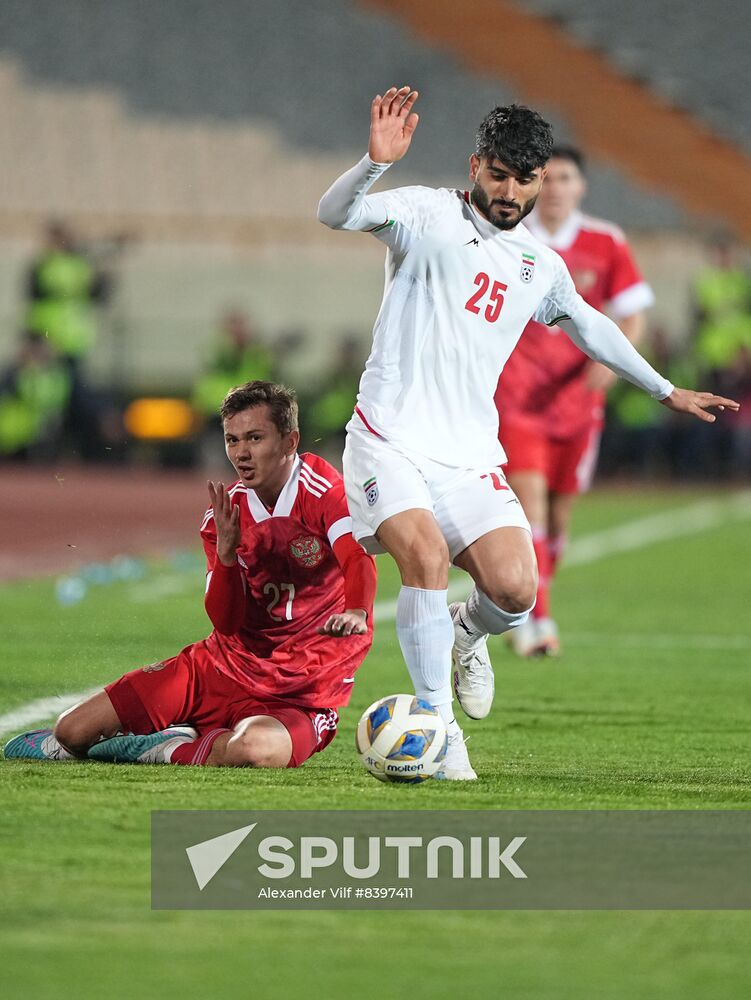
[[162, 163]]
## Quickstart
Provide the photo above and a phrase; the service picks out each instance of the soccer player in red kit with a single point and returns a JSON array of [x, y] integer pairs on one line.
[[551, 395], [290, 595]]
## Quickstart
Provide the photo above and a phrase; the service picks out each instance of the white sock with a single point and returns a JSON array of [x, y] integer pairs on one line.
[[426, 636], [480, 617]]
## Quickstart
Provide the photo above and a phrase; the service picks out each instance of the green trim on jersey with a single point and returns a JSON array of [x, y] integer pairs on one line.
[[385, 225], [557, 320]]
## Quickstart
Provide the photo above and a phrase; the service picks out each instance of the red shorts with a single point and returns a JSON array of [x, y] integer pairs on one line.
[[189, 689], [568, 464]]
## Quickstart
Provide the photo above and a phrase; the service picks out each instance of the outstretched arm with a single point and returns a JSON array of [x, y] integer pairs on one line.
[[600, 378], [392, 124], [697, 403], [601, 339]]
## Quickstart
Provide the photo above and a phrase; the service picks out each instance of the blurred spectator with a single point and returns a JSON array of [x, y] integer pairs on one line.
[[34, 394], [722, 296], [736, 377], [641, 437], [329, 412], [63, 290], [238, 356]]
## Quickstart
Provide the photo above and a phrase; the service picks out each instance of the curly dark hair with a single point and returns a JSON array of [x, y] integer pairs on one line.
[[517, 136], [280, 399]]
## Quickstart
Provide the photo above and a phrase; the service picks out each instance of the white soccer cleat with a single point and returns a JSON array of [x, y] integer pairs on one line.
[[547, 641], [536, 637], [455, 765], [523, 639], [474, 683]]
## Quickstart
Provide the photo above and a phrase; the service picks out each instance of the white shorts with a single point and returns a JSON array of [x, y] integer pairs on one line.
[[382, 480]]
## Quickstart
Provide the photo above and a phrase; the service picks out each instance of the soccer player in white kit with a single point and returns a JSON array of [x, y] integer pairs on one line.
[[422, 461]]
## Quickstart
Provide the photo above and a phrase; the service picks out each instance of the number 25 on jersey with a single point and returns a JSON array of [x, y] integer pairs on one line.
[[494, 300]]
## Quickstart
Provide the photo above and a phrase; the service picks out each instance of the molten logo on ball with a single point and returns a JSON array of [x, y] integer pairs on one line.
[[401, 738]]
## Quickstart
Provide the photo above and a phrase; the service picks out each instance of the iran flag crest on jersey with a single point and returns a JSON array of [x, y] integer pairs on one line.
[[528, 267]]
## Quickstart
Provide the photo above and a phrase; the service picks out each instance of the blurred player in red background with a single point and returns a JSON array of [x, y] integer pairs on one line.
[[289, 593], [551, 395]]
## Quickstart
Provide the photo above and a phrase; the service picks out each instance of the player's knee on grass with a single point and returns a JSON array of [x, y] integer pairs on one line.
[[259, 742], [73, 734], [82, 726]]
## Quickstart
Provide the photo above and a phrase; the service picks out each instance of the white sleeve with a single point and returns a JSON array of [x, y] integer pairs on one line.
[[345, 205], [397, 217], [598, 336]]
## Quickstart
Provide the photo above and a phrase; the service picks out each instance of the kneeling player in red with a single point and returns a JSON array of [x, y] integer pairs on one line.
[[290, 594]]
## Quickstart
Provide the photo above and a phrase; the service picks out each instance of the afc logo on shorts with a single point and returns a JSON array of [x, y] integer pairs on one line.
[[307, 550], [371, 490]]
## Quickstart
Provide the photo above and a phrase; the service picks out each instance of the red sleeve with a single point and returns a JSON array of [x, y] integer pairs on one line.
[[332, 518], [359, 571], [225, 586], [225, 598], [624, 271]]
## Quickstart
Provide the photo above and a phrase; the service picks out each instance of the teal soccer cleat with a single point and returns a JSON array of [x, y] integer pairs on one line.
[[151, 749], [39, 744]]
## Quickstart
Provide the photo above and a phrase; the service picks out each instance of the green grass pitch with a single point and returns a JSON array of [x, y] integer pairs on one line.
[[648, 708]]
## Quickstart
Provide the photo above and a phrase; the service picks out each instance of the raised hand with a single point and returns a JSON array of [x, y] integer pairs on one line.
[[227, 523], [697, 403], [392, 124]]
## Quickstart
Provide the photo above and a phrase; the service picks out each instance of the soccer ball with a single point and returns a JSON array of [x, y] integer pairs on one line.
[[401, 738]]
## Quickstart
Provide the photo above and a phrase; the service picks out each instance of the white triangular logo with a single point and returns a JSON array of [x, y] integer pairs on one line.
[[208, 857]]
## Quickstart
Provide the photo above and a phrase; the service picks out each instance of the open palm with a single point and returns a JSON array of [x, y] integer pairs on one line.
[[392, 124]]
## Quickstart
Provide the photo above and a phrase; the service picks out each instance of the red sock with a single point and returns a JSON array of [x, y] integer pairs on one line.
[[540, 542], [197, 751], [556, 547]]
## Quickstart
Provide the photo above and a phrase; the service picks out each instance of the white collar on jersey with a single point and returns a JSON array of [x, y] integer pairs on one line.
[[562, 238], [285, 500]]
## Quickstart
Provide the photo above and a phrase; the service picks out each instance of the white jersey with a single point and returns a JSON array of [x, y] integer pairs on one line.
[[457, 297]]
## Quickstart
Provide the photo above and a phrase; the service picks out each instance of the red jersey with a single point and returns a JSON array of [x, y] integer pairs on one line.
[[293, 582], [543, 384]]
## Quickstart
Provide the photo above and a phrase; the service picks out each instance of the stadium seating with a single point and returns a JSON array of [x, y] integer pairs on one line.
[[185, 98], [693, 53], [210, 139]]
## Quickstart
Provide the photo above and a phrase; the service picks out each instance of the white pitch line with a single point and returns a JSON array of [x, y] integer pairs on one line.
[[35, 712], [640, 533], [164, 586], [661, 527]]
